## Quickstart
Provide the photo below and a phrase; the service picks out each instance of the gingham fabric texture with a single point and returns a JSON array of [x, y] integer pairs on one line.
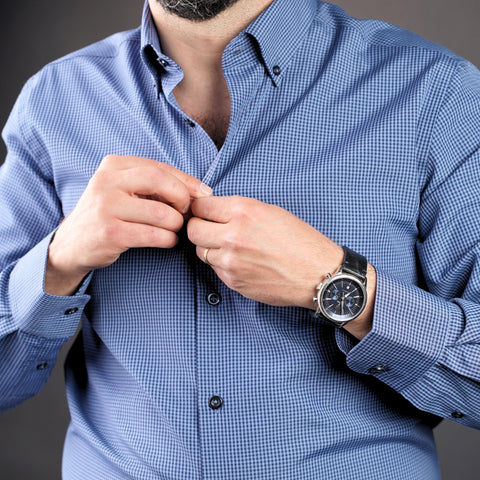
[[363, 130]]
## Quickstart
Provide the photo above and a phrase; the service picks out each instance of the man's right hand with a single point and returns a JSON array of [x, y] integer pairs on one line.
[[129, 202]]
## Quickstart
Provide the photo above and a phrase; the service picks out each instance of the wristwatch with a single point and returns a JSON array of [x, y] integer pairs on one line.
[[342, 297]]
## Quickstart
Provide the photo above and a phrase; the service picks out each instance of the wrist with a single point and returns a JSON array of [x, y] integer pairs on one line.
[[60, 279], [362, 325], [346, 297], [318, 273]]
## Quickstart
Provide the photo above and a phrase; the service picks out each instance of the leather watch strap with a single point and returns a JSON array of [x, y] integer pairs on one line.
[[354, 263]]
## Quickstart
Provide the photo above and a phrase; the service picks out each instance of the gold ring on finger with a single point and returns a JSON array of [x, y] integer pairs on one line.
[[205, 256]]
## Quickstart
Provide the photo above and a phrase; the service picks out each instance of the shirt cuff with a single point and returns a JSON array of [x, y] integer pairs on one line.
[[33, 310], [408, 337]]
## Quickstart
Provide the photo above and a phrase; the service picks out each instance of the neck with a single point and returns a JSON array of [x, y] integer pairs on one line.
[[198, 46]]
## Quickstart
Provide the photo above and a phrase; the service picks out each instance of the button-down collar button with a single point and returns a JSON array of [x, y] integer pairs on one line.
[[214, 299], [189, 122], [163, 62], [215, 402], [71, 311], [457, 414], [378, 369], [276, 70], [42, 366]]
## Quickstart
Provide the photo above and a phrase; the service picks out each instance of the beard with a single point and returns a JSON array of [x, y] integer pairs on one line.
[[196, 10]]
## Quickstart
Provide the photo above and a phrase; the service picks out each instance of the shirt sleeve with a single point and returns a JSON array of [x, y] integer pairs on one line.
[[33, 324], [425, 343]]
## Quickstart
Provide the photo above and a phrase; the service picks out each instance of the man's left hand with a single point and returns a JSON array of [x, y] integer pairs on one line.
[[268, 254], [262, 251]]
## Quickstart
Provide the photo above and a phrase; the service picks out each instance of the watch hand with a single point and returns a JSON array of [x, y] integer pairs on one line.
[[349, 293]]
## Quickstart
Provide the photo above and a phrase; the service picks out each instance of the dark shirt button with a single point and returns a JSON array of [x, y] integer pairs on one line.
[[42, 366], [378, 369], [190, 123], [215, 402], [71, 311], [277, 70], [214, 299], [457, 414]]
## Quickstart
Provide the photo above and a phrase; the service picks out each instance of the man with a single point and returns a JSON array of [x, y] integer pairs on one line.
[[203, 353]]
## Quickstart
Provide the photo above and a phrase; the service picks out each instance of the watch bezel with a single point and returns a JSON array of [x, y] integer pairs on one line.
[[340, 320]]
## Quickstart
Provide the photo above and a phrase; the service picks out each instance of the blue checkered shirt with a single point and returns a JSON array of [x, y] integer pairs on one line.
[[363, 130]]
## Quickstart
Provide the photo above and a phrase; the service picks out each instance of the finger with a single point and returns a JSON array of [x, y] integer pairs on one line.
[[138, 235], [157, 183], [208, 255], [204, 233], [148, 212], [195, 186], [215, 209]]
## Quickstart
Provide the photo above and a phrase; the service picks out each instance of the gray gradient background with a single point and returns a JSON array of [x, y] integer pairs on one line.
[[33, 33]]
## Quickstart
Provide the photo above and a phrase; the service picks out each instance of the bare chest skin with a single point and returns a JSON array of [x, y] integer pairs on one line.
[[209, 106], [216, 125], [197, 47]]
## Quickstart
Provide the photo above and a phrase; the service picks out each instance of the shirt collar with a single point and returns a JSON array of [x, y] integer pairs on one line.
[[149, 31], [151, 51], [277, 32]]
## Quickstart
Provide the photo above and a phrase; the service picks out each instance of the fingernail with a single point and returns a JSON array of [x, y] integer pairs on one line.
[[186, 209], [205, 189]]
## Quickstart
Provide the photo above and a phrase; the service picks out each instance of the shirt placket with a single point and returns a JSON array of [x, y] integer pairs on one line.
[[217, 325]]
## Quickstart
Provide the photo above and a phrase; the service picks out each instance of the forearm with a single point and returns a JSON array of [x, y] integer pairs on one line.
[[33, 326], [416, 347]]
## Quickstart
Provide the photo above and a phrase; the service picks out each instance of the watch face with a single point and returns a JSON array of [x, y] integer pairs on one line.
[[343, 298]]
